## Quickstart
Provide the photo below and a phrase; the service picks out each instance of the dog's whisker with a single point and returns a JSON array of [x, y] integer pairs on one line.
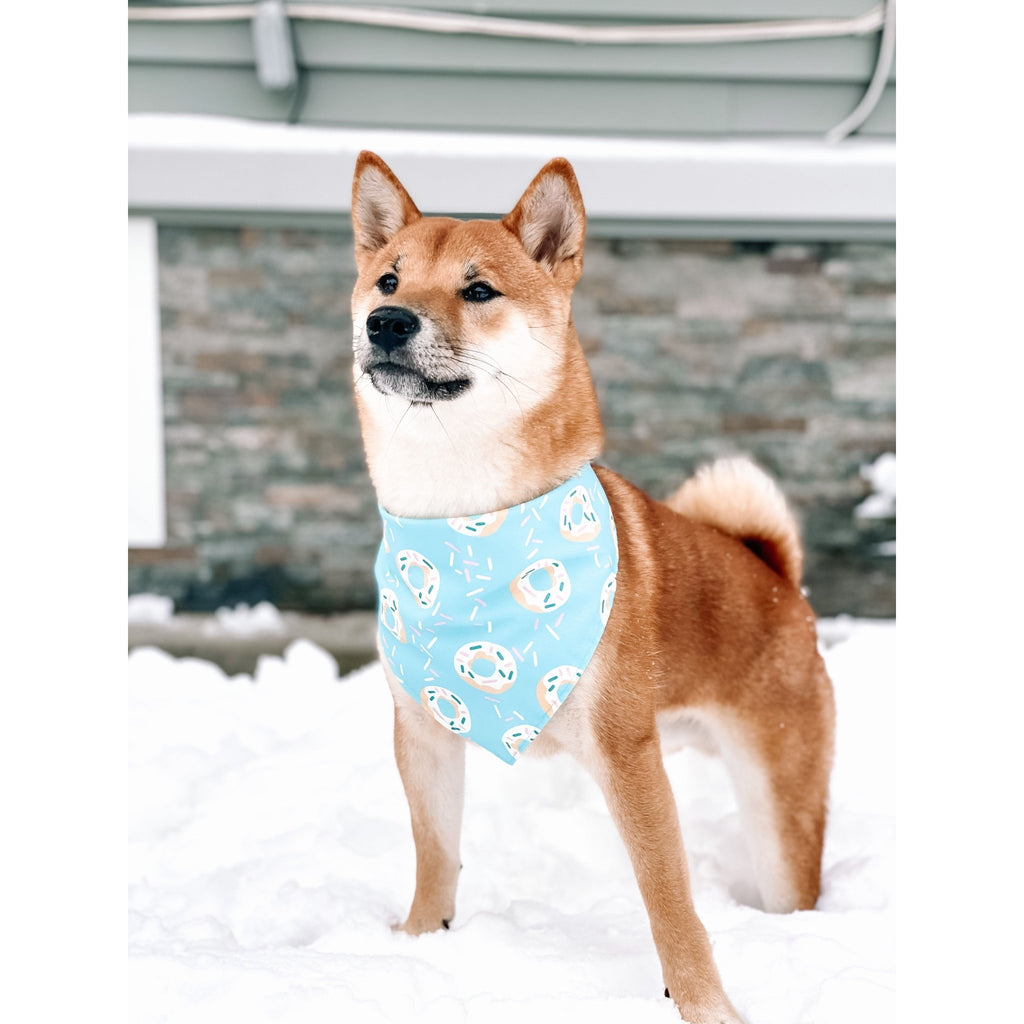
[[478, 361], [543, 344], [398, 425], [487, 363], [514, 396], [501, 374], [444, 429]]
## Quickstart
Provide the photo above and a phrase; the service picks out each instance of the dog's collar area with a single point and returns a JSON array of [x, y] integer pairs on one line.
[[583, 475], [489, 620]]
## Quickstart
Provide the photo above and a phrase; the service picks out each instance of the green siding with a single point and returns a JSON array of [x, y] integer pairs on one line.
[[336, 46], [359, 75], [513, 103], [612, 10]]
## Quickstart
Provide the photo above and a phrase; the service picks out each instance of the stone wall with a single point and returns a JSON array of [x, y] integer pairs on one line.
[[698, 349]]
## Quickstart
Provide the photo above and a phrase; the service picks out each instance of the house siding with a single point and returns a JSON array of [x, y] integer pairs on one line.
[[698, 349], [402, 78]]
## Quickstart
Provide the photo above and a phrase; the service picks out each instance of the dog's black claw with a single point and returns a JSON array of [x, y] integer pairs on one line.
[[445, 924], [668, 995]]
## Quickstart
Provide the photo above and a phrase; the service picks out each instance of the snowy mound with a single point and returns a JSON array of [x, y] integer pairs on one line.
[[270, 852]]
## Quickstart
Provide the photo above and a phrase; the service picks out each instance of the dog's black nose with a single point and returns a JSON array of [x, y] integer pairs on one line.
[[390, 327]]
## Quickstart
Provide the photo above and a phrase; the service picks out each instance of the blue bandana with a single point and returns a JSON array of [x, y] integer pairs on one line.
[[490, 620]]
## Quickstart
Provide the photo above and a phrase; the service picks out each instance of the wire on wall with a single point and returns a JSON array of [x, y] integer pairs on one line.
[[880, 17], [478, 24], [883, 67]]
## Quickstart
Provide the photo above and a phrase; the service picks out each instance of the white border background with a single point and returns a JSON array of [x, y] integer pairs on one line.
[[144, 412]]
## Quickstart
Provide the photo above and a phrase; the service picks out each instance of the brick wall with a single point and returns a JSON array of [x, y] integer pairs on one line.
[[698, 349]]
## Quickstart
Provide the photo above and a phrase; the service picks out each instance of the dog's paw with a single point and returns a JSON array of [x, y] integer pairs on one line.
[[701, 1016], [716, 1017], [706, 1011], [421, 926]]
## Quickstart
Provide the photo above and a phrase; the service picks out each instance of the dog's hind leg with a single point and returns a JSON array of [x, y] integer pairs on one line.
[[431, 763], [780, 765]]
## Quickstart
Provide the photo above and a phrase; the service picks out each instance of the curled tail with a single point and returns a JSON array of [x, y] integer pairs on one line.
[[735, 496]]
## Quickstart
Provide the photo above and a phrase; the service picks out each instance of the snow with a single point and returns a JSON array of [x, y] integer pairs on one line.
[[881, 503], [150, 609], [241, 620], [220, 134], [270, 852]]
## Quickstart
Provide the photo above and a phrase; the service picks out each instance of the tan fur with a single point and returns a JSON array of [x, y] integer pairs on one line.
[[736, 497], [708, 628]]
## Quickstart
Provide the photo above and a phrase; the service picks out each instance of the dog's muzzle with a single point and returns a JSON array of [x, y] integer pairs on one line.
[[395, 367]]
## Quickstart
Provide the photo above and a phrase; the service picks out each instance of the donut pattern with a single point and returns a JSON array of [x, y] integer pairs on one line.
[[390, 616], [578, 520], [555, 685], [607, 598], [488, 667], [420, 575], [488, 621], [518, 738], [542, 586], [482, 525], [448, 708]]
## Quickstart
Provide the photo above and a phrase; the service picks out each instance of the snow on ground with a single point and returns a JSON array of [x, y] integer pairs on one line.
[[239, 621], [150, 609], [270, 852]]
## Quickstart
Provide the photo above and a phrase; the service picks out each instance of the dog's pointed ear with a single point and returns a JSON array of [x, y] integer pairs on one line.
[[550, 220], [380, 205]]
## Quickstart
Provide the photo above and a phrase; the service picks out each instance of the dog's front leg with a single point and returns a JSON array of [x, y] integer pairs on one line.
[[636, 788], [432, 765]]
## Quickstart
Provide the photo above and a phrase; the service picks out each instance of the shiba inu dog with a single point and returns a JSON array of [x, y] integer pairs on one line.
[[476, 403]]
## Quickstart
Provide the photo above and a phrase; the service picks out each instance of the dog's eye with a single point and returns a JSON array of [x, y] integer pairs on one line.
[[387, 284], [479, 291]]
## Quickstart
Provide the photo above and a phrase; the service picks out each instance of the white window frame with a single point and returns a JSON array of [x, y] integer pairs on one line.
[[147, 519]]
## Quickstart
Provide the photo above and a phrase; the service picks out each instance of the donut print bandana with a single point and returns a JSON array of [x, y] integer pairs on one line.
[[490, 620]]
